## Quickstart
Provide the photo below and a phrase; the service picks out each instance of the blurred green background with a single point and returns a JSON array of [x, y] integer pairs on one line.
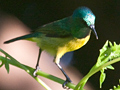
[[35, 13]]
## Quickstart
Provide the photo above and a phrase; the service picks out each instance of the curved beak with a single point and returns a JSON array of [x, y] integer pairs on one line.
[[93, 29]]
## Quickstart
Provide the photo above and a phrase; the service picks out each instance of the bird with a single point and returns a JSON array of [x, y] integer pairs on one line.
[[62, 36]]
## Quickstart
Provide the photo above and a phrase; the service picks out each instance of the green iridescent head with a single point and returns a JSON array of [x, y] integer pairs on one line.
[[87, 15]]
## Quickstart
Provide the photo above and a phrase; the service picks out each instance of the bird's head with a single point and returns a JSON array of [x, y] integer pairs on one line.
[[87, 16]]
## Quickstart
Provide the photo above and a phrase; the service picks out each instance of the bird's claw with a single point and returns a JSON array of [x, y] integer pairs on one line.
[[64, 84], [36, 70]]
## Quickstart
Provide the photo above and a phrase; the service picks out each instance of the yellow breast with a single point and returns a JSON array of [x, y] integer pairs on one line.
[[73, 44], [77, 43]]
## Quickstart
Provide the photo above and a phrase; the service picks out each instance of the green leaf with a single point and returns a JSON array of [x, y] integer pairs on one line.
[[7, 66], [110, 67], [102, 78], [108, 52]]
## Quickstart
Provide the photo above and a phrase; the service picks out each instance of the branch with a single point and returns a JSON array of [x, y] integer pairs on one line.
[[9, 60]]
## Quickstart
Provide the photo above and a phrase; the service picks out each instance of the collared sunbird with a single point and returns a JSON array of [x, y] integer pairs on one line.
[[62, 36]]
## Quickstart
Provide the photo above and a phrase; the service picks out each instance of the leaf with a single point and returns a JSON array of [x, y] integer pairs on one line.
[[7, 66], [108, 52], [102, 78], [110, 67]]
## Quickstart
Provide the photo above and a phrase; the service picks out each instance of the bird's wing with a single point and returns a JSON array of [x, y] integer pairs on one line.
[[59, 28]]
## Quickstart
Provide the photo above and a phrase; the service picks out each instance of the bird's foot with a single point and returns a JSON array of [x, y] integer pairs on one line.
[[64, 84], [36, 70]]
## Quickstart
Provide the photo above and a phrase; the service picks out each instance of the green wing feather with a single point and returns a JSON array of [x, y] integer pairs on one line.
[[57, 29]]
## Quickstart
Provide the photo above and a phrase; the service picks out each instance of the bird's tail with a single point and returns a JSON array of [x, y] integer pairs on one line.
[[22, 37]]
